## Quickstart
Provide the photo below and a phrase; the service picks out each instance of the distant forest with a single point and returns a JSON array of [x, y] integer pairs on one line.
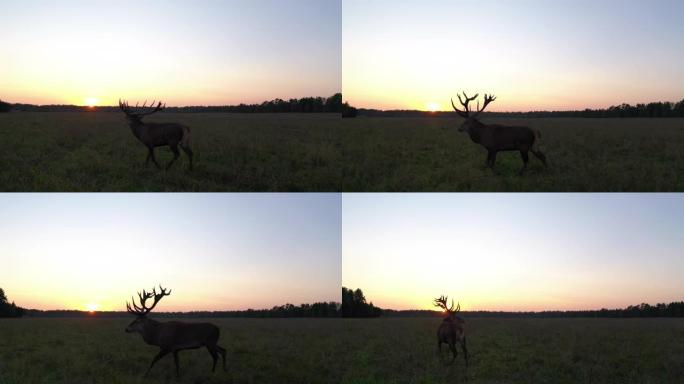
[[656, 109], [332, 104], [675, 309], [323, 309], [8, 309], [354, 304]]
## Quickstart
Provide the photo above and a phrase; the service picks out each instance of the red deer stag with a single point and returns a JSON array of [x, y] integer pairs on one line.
[[452, 329], [496, 137], [172, 336], [154, 135]]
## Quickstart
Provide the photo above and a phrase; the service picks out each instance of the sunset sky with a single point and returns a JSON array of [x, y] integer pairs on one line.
[[184, 52], [533, 54], [215, 251], [514, 251]]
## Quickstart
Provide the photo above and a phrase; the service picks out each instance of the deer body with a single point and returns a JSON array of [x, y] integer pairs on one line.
[[173, 336], [177, 335], [154, 135], [452, 330], [496, 138]]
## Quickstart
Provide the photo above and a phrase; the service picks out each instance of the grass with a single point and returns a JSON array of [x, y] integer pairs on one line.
[[96, 151], [403, 350], [358, 351], [320, 152], [429, 154], [88, 350]]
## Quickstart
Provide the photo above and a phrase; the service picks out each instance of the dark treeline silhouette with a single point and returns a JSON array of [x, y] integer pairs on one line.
[[656, 109], [332, 104], [675, 309], [322, 309], [8, 309], [5, 107], [348, 110], [354, 304]]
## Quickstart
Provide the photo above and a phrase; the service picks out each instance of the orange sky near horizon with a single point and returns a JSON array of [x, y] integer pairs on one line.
[[532, 54], [514, 252], [214, 251], [184, 53]]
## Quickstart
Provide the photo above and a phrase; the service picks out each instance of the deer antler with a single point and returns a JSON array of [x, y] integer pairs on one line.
[[143, 310], [487, 99], [466, 112], [140, 111], [442, 303]]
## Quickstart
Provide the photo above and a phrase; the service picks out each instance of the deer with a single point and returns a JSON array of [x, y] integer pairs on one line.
[[172, 336], [451, 330], [495, 137], [154, 135]]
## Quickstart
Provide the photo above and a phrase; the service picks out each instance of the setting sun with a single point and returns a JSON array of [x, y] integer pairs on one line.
[[432, 107], [91, 101], [92, 307]]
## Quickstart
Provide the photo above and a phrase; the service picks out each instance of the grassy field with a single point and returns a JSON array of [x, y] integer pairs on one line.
[[98, 351], [429, 154], [385, 350], [233, 152], [403, 350]]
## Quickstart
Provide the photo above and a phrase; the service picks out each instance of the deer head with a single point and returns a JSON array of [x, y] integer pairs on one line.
[[450, 311], [468, 124], [135, 114], [141, 311]]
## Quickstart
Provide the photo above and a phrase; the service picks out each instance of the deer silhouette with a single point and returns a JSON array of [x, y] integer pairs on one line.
[[496, 138], [451, 330], [172, 336], [154, 135]]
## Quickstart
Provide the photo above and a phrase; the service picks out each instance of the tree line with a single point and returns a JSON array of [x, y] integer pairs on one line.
[[5, 107], [8, 309], [655, 109], [674, 309], [332, 104], [319, 309], [354, 304]]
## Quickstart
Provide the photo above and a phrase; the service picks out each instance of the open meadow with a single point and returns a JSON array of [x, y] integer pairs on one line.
[[96, 151], [92, 350], [429, 154], [503, 350]]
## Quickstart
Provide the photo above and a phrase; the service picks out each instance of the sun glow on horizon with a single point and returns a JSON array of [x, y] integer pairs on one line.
[[397, 57], [432, 106], [91, 102], [92, 307]]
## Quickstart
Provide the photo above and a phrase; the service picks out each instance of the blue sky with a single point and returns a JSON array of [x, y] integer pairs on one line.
[[533, 54], [514, 251], [216, 251], [185, 52]]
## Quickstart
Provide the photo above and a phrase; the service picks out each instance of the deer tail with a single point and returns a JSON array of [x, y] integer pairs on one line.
[[185, 140]]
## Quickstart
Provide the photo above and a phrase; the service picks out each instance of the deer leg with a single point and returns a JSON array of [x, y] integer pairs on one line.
[[175, 360], [214, 356], [525, 158], [465, 350], [222, 351], [540, 156], [188, 151], [154, 159], [176, 155], [161, 354], [491, 158], [454, 353]]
